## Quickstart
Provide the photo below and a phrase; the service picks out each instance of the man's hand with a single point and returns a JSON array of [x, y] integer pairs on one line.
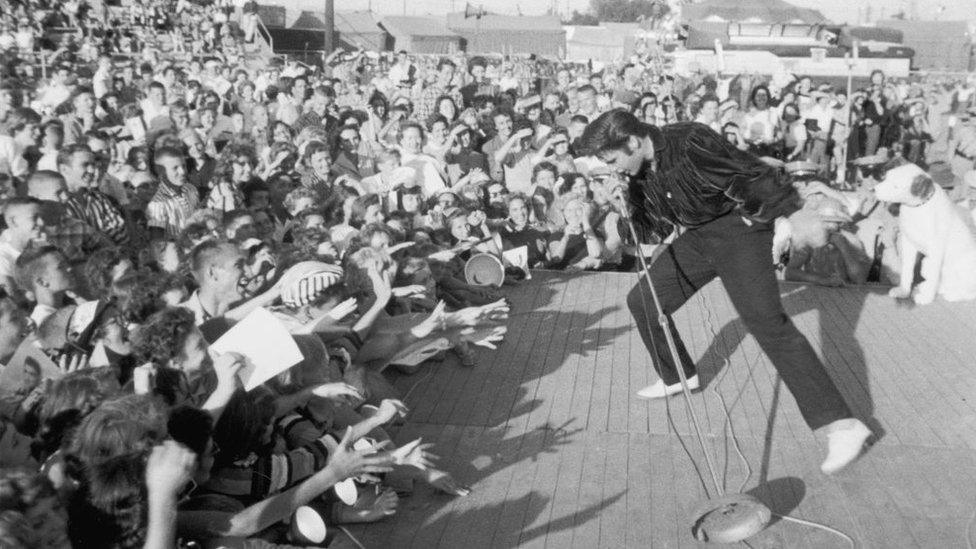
[[72, 362], [343, 309], [144, 379], [389, 409], [226, 366], [485, 337], [477, 218], [409, 291], [336, 390], [382, 284], [443, 256], [473, 316], [415, 454]]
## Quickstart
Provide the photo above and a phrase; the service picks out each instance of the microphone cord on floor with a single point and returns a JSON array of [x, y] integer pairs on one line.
[[730, 430], [728, 419]]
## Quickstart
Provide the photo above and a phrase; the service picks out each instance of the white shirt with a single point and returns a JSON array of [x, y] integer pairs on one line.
[[51, 97], [823, 115], [12, 161], [151, 112], [8, 259], [399, 73], [101, 83], [41, 313], [428, 176]]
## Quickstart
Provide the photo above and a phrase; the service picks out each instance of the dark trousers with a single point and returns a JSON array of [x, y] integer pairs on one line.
[[741, 256]]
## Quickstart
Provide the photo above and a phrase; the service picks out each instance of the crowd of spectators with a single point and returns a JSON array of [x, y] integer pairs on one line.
[[161, 181]]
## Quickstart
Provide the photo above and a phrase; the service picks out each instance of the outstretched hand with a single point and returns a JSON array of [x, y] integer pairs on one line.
[[346, 462]]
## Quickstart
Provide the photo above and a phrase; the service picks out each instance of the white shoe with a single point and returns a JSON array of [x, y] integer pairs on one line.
[[845, 440], [660, 390]]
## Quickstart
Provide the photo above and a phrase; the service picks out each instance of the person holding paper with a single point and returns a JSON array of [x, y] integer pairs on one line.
[[178, 366]]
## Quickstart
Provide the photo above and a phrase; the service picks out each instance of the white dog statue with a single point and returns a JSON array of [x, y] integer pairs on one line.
[[931, 224]]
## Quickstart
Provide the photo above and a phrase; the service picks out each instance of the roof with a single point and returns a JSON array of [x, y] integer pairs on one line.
[[356, 22], [417, 26], [535, 23], [308, 20], [765, 11], [595, 36], [954, 29]]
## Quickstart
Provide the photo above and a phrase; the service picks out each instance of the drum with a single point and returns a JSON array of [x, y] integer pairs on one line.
[[484, 270]]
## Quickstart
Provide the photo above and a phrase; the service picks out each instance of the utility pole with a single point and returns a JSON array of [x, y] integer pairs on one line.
[[329, 20]]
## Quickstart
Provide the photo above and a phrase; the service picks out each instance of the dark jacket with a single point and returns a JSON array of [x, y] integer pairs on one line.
[[700, 177]]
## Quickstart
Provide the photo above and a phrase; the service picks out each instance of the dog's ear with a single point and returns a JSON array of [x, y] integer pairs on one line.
[[922, 187]]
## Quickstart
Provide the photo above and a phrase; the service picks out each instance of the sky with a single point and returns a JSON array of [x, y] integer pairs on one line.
[[836, 10]]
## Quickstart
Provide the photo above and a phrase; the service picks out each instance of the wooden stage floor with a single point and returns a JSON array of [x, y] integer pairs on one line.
[[559, 453]]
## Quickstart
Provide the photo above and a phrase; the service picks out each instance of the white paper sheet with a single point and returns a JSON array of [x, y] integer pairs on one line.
[[265, 343], [518, 258]]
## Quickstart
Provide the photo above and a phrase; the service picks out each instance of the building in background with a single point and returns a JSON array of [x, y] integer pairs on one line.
[[510, 34], [421, 35], [938, 45]]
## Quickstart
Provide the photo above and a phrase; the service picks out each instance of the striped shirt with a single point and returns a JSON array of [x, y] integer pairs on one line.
[[261, 475], [171, 208], [100, 211]]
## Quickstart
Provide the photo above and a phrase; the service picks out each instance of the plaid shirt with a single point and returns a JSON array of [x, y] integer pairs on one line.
[[100, 211], [75, 238], [427, 103]]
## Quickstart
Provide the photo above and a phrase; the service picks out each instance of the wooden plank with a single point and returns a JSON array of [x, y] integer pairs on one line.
[[520, 498], [613, 509], [586, 532], [559, 531], [619, 477]]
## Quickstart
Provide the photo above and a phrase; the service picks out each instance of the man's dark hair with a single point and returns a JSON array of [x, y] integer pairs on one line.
[[579, 119], [611, 131], [67, 153], [325, 91], [477, 62], [444, 63], [167, 152], [586, 88]]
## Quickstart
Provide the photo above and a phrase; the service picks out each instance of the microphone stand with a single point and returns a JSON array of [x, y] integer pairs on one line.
[[727, 518]]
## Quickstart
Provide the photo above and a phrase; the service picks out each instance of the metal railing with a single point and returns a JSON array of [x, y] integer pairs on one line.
[[265, 33]]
